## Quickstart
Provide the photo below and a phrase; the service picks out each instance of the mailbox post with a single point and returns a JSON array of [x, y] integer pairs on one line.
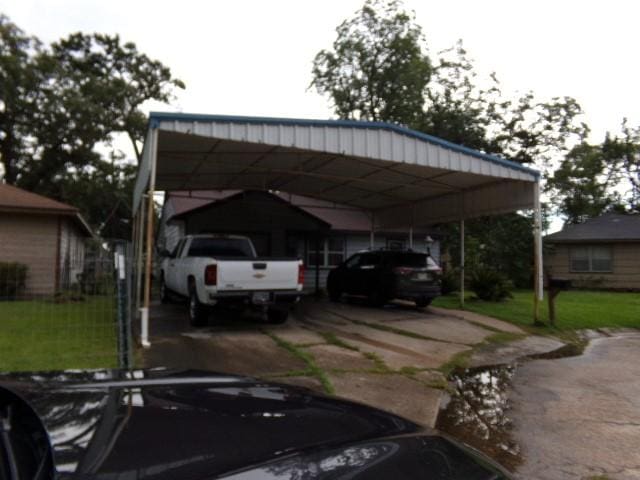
[[554, 287]]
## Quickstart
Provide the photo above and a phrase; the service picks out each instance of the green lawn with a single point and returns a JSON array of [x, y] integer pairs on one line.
[[42, 335], [574, 309]]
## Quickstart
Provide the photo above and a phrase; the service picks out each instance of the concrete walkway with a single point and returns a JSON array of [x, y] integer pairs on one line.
[[390, 357]]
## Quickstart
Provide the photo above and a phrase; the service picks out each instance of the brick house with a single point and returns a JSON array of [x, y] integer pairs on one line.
[[603, 252], [48, 236]]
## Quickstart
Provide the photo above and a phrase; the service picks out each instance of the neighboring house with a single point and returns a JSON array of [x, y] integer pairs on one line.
[[49, 237], [321, 233], [603, 252]]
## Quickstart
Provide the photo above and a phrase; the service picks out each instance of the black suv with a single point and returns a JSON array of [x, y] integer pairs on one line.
[[383, 275]]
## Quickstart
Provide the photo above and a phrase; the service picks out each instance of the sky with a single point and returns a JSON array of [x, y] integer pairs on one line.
[[252, 57]]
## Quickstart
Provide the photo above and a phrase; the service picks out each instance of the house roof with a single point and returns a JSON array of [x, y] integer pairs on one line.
[[338, 217], [610, 227], [14, 198], [17, 200]]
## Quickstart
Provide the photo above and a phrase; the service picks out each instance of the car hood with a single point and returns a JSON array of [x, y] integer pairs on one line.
[[162, 424]]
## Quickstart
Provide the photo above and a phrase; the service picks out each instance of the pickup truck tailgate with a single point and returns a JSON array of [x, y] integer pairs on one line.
[[257, 275]]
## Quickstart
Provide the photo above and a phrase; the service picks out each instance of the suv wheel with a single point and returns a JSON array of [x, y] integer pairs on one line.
[[334, 293], [377, 299], [423, 302], [197, 311]]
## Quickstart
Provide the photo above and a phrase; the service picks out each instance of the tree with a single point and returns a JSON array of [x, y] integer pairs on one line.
[[62, 102], [19, 80], [377, 69], [593, 179], [449, 102], [582, 184]]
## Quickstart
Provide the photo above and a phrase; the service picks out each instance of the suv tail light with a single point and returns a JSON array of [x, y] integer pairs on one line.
[[300, 274], [211, 275], [403, 270]]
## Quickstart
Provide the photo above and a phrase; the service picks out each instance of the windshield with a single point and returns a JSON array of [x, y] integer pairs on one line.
[[221, 247], [414, 260]]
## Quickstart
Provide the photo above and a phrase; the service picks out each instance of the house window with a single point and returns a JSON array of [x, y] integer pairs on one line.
[[331, 252], [596, 258], [396, 244]]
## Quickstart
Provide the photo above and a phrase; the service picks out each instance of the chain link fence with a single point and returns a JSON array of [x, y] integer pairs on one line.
[[65, 306]]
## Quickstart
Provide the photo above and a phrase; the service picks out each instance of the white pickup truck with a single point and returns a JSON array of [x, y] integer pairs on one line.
[[225, 270]]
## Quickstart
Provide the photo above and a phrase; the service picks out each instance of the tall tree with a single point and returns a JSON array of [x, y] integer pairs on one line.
[[19, 81], [593, 179], [581, 184], [378, 67], [60, 103], [447, 100]]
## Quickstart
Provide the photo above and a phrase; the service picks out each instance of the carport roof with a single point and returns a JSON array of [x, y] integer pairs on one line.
[[403, 175]]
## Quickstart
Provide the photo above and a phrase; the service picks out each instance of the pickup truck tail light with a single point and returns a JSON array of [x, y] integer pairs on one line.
[[211, 275], [300, 274]]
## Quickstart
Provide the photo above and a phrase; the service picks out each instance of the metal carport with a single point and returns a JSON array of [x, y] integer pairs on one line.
[[404, 178]]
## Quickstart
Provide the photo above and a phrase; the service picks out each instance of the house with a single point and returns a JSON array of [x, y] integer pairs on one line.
[[47, 236], [322, 233], [603, 252]]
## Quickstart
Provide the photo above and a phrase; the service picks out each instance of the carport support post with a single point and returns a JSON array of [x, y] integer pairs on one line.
[[144, 323], [372, 234], [138, 253], [462, 262], [538, 287]]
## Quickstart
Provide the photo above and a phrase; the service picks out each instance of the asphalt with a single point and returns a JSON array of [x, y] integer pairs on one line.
[[386, 357], [579, 417]]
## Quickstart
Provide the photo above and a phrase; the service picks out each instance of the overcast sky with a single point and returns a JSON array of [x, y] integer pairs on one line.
[[254, 57]]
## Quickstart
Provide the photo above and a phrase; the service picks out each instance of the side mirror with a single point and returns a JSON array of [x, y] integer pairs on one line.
[[164, 253]]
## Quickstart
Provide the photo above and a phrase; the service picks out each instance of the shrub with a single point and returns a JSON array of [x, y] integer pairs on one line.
[[450, 281], [13, 279], [490, 285]]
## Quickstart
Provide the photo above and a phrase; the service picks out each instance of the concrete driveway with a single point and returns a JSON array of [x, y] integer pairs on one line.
[[390, 357]]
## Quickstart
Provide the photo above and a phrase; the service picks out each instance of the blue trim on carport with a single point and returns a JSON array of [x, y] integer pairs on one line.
[[156, 117]]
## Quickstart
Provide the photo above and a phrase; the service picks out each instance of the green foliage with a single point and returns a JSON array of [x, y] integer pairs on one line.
[[377, 69], [62, 104], [503, 241], [489, 284], [450, 281], [13, 278], [593, 179]]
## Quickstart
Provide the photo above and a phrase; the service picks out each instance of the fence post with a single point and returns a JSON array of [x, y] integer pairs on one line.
[[123, 284]]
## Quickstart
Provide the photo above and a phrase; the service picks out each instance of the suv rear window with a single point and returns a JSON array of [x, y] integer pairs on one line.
[[220, 247], [414, 260]]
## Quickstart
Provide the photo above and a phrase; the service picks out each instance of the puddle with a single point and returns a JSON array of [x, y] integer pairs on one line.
[[477, 413]]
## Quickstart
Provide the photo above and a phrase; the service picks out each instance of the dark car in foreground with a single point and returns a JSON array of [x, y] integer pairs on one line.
[[384, 275], [160, 424]]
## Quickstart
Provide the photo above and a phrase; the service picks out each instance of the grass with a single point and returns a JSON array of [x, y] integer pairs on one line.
[[312, 367], [42, 335], [574, 309]]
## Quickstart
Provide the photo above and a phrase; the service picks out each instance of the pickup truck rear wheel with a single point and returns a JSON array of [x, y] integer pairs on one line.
[[197, 311], [164, 293], [277, 315]]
